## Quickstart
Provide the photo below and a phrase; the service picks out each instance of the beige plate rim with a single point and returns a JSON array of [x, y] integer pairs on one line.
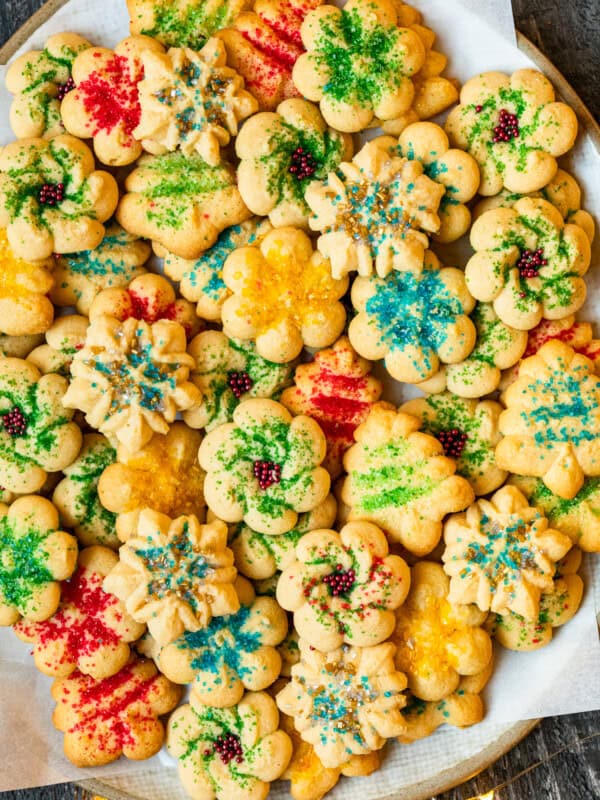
[[455, 775]]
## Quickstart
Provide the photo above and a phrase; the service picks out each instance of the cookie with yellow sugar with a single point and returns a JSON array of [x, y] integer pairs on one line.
[[400, 479], [25, 309], [175, 574], [283, 296], [501, 554], [437, 641], [552, 418], [359, 63], [164, 475], [264, 467], [514, 128], [343, 588]]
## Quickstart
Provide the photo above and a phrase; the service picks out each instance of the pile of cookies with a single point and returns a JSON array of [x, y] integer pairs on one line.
[[202, 486]]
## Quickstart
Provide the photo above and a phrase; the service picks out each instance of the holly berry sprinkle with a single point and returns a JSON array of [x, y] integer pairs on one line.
[[229, 747], [453, 441], [65, 88], [530, 262], [239, 383], [51, 194], [303, 164], [507, 127], [340, 582], [267, 473], [15, 422]]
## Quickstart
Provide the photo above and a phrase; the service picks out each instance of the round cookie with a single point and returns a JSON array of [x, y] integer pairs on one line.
[[25, 309]]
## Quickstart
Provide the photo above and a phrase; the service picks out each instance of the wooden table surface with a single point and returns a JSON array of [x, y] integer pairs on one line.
[[560, 760]]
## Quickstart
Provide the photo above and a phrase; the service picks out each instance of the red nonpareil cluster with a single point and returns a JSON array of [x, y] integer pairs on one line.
[[507, 127], [340, 582], [229, 747], [302, 164], [51, 194], [239, 383], [267, 473], [15, 422], [453, 441], [530, 262], [65, 88]]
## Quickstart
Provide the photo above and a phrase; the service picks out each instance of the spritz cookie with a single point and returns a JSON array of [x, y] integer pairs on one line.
[[35, 557], [281, 153], [344, 587], [513, 128], [228, 372], [191, 101], [37, 436], [117, 260], [64, 338], [373, 213], [90, 631], [551, 422], [164, 475], [229, 753], [131, 378], [283, 296], [181, 202], [528, 263], [40, 80], [400, 479], [105, 104], [52, 199], [415, 322], [175, 574], [359, 63], [501, 555], [264, 467], [120, 715], [24, 307], [347, 702]]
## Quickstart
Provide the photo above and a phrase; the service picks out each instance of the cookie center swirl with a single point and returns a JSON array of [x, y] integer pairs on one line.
[[229, 747], [507, 127], [239, 383], [51, 194], [453, 441], [302, 164], [15, 422], [267, 473], [340, 582], [530, 261]]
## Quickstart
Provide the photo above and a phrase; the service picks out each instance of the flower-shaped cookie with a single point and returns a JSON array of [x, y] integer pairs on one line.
[[120, 715], [164, 475], [64, 338], [52, 199], [400, 479], [283, 296], [558, 606], [264, 467], [191, 101], [201, 281], [226, 753], [498, 347], [579, 517], [344, 587], [148, 297], [105, 103], [456, 170], [414, 321], [337, 390], [528, 263], [91, 629], [468, 431], [551, 424], [501, 554], [76, 496], [438, 641], [24, 307], [181, 202], [182, 23], [232, 654], [175, 574], [79, 277], [227, 372], [40, 79], [359, 63], [259, 556], [36, 434], [281, 153], [373, 212], [346, 702], [131, 378], [513, 128], [35, 556]]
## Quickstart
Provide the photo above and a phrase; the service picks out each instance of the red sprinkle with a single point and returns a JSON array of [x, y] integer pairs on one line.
[[267, 473], [453, 441], [111, 96], [507, 127]]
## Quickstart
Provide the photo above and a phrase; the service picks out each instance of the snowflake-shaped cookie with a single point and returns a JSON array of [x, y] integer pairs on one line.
[[501, 554], [24, 308], [513, 128], [131, 378], [175, 574], [399, 479]]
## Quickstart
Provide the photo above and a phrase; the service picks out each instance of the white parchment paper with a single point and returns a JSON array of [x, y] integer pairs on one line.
[[561, 678]]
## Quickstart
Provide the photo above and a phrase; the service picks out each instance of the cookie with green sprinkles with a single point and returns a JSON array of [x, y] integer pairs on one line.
[[513, 128], [359, 63], [36, 555], [76, 496], [39, 80], [264, 467], [37, 435], [468, 431], [229, 753], [528, 263]]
